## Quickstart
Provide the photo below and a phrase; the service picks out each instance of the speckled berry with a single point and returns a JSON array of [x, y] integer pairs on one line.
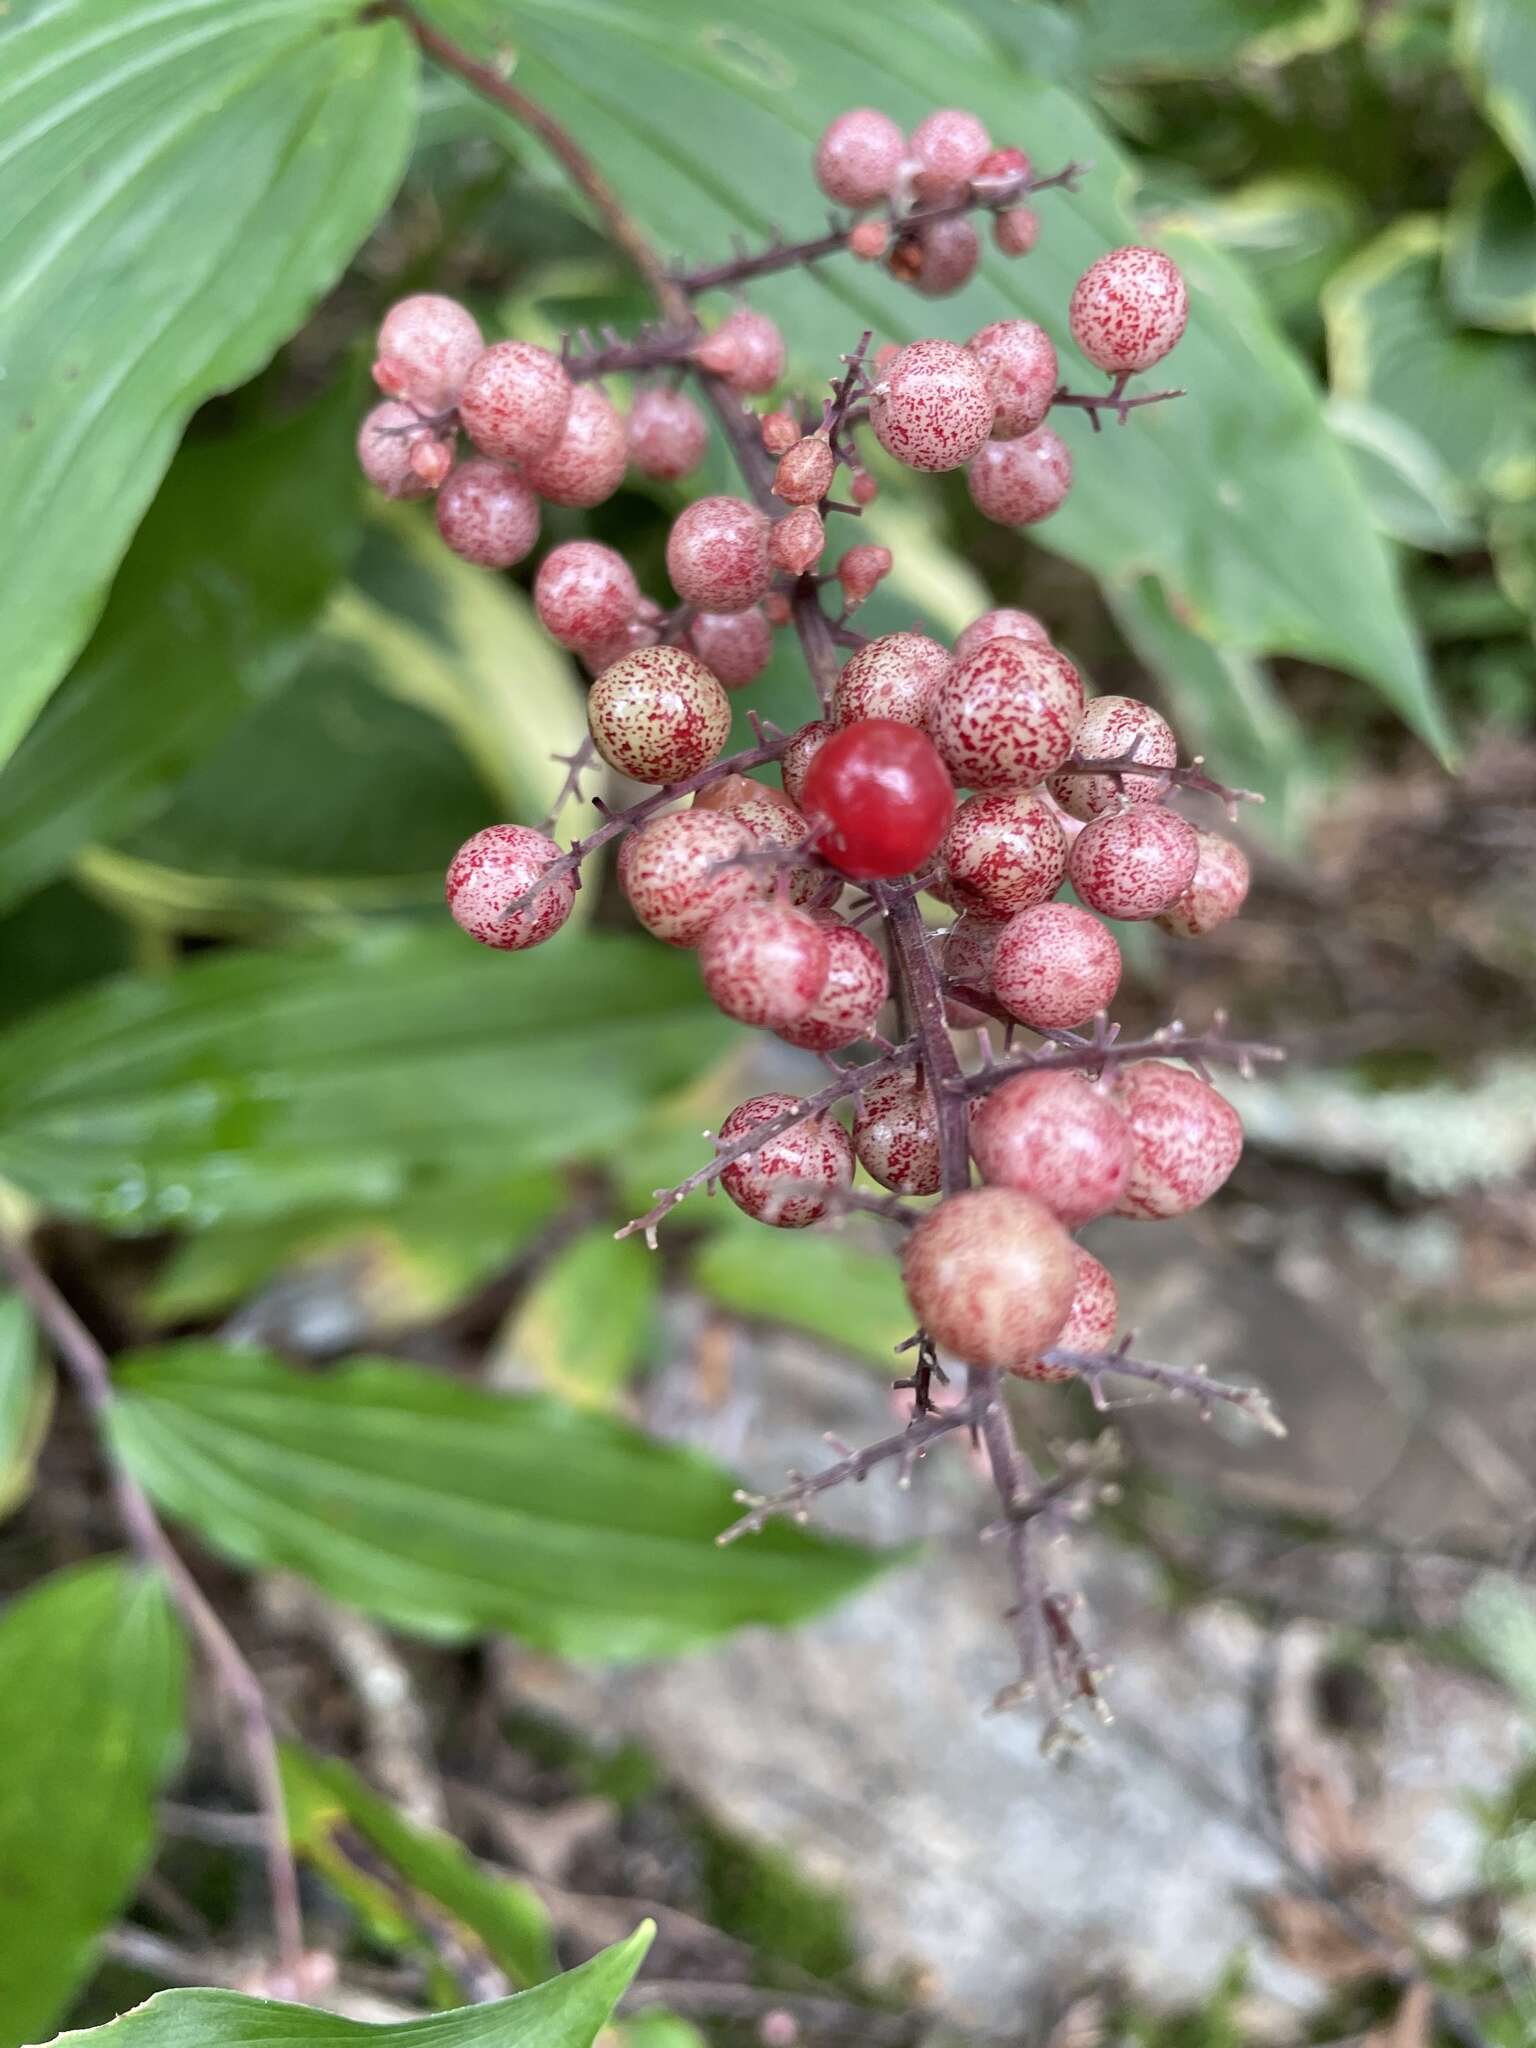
[[746, 349], [1021, 482], [1006, 716], [1016, 230], [780, 432], [990, 1276], [677, 875], [794, 763], [765, 964], [796, 541], [1090, 1325], [815, 1150], [1217, 892], [932, 408], [859, 570], [658, 715], [737, 646], [717, 554], [667, 434], [805, 471], [495, 868], [1003, 853], [1006, 622], [1111, 727], [892, 677], [1128, 310], [966, 958], [1055, 1136], [880, 799], [896, 1135], [1019, 358], [1185, 1139], [849, 1006], [515, 401], [487, 514], [948, 147], [1054, 967], [772, 820], [1134, 863], [425, 348], [859, 157], [586, 465], [948, 252], [585, 594], [385, 441], [600, 654]]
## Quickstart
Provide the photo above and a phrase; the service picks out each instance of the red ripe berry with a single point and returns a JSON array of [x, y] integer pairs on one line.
[[1003, 853], [949, 147], [658, 715], [492, 870], [849, 1007], [1111, 727], [426, 346], [796, 541], [487, 514], [385, 442], [1218, 891], [859, 157], [737, 646], [515, 401], [892, 677], [896, 1135], [587, 463], [1019, 483], [948, 252], [780, 432], [1019, 358], [1054, 967], [667, 434], [805, 471], [1001, 167], [881, 798], [1090, 1323], [1057, 1137], [1016, 230], [795, 762], [966, 958], [932, 408], [1007, 622], [1185, 1139], [765, 963], [990, 1276], [746, 349], [1134, 863], [869, 240], [859, 569], [585, 594], [717, 554], [864, 489], [1007, 715], [1128, 310], [815, 1150], [677, 875]]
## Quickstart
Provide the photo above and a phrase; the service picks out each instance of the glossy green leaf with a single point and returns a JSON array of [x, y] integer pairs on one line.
[[809, 1280], [1490, 245], [183, 179], [584, 1327], [450, 1511], [26, 1400], [90, 1726], [1415, 497]]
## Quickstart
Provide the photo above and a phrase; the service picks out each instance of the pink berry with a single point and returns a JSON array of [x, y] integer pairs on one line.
[[948, 253], [515, 401], [859, 570], [1111, 727], [1218, 891], [1057, 1137], [1007, 622], [1054, 967], [1003, 853], [765, 964], [385, 442], [859, 157], [667, 434], [796, 541], [805, 472], [1007, 715], [487, 514], [495, 868], [1021, 482], [1016, 230], [1134, 863], [586, 465], [600, 654], [896, 1135], [949, 147], [1000, 170], [426, 346], [585, 594], [815, 1150], [658, 715], [990, 1276], [864, 489], [966, 958], [717, 554], [770, 819], [1019, 358], [1128, 310], [849, 1006], [746, 349], [780, 432], [795, 762], [731, 791], [677, 875], [1185, 1139], [869, 240], [932, 408], [736, 645], [1090, 1324], [892, 677]]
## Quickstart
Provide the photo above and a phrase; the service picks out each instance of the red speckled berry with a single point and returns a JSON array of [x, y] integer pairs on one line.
[[515, 400], [736, 645], [805, 471], [487, 514], [859, 157], [492, 870], [780, 432], [1016, 230], [948, 252], [746, 349], [585, 594], [1007, 715], [966, 957], [896, 1135], [601, 654], [658, 715], [667, 434], [717, 554], [1055, 1136], [1054, 967], [1185, 1139], [765, 963], [990, 1276], [795, 542], [426, 346], [1128, 310], [1110, 727], [948, 147], [1019, 483], [814, 1150], [385, 442], [772, 820], [1007, 622], [1090, 1324], [892, 677], [676, 874], [932, 408], [849, 1007], [859, 569], [795, 762], [1003, 853], [880, 795], [1134, 863], [1218, 891], [587, 463], [1019, 358]]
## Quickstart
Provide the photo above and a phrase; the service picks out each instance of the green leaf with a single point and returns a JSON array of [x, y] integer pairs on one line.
[[811, 1281], [1198, 38], [250, 1085], [1495, 45], [184, 178], [584, 1327], [26, 1401], [567, 2012], [344, 1828], [1490, 245], [1290, 231], [1499, 1618], [450, 1511], [1413, 494], [90, 1726]]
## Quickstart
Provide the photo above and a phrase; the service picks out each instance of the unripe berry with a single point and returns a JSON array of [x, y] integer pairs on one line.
[[1134, 863], [658, 715], [796, 541], [1003, 853], [717, 554], [1007, 715], [1054, 967], [493, 869], [780, 432], [585, 594], [1110, 727], [746, 349], [1000, 167], [1128, 310], [881, 798], [737, 646], [948, 253], [677, 874], [795, 761], [1057, 1137], [815, 1150], [966, 957], [949, 147], [667, 434], [1007, 622], [896, 1135], [990, 1276], [432, 456], [384, 450], [515, 401], [1218, 891], [426, 346], [1019, 358], [805, 471], [1019, 483], [771, 819], [587, 463], [848, 1008], [932, 408], [869, 240], [765, 963], [859, 157], [487, 514], [1016, 230], [1090, 1325], [733, 790], [864, 489], [892, 677], [1185, 1139], [859, 569]]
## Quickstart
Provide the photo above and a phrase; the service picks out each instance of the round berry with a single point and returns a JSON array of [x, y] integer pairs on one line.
[[869, 240], [1090, 1324], [1111, 727], [746, 349], [1218, 891], [795, 761], [948, 252], [805, 472], [585, 594], [881, 798], [1185, 1139], [795, 542], [932, 408], [990, 1276], [1134, 863], [892, 677], [1019, 358], [1016, 230], [770, 819], [737, 646], [1003, 853], [1019, 483], [966, 958], [733, 790], [780, 432], [601, 654], [678, 876], [495, 868], [859, 157], [717, 554], [1007, 715], [848, 1008], [948, 147], [587, 463], [658, 715], [1057, 1137], [667, 434], [1000, 170], [515, 400], [426, 346], [1054, 967], [859, 569], [765, 963], [896, 1135], [815, 1150], [385, 442], [1007, 622], [487, 514], [1128, 310]]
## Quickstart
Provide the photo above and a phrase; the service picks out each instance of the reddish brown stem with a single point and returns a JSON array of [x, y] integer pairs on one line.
[[923, 994]]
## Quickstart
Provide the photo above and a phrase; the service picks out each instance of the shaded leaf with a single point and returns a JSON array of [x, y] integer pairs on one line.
[[1290, 231], [812, 1280], [1199, 38], [584, 1327], [1490, 245], [26, 1400], [1415, 497]]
